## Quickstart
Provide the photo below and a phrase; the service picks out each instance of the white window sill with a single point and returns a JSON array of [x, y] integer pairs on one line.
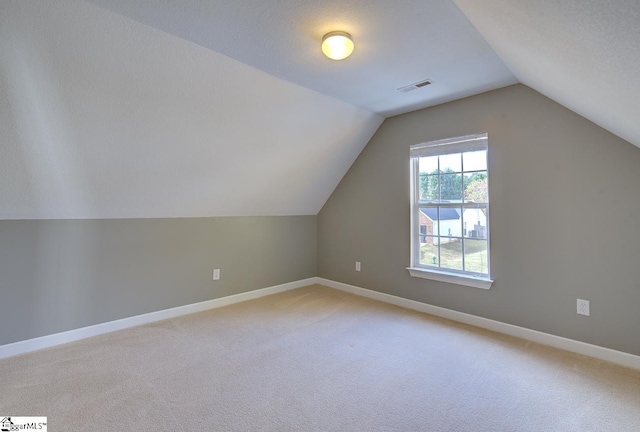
[[454, 278]]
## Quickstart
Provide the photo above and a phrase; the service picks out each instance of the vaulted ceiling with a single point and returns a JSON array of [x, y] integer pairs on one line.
[[397, 43], [584, 54], [156, 108]]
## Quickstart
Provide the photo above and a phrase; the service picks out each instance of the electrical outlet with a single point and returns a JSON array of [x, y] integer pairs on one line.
[[357, 265], [583, 307], [216, 274]]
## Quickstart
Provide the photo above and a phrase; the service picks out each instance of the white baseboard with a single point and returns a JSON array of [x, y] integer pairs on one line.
[[606, 354], [48, 341]]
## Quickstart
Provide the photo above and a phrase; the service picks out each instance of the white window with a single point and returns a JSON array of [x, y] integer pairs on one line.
[[450, 211]]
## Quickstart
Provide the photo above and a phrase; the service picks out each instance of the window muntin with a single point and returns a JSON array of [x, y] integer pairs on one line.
[[450, 206]]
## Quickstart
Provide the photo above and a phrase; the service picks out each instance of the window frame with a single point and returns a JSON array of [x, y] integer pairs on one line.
[[467, 143]]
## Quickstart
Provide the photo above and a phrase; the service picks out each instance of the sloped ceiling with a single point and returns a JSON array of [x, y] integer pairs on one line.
[[584, 54], [104, 117], [397, 43], [182, 108]]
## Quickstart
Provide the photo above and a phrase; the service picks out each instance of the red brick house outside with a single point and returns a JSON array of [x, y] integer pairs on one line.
[[426, 229]]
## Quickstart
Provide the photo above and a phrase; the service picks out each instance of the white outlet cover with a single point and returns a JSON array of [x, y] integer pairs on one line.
[[584, 307], [216, 274], [357, 265]]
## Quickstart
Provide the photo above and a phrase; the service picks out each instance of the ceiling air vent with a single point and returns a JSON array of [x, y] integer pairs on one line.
[[415, 86]]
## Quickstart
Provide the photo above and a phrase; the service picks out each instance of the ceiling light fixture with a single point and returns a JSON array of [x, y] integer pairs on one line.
[[337, 45]]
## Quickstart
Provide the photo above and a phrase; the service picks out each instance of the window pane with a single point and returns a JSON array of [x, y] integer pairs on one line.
[[450, 254], [428, 165], [429, 251], [451, 187], [451, 163], [429, 188], [474, 222], [428, 221], [475, 161], [476, 187], [452, 206], [450, 222], [475, 256]]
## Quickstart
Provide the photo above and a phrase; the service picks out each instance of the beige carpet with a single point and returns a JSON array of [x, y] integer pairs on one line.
[[316, 359]]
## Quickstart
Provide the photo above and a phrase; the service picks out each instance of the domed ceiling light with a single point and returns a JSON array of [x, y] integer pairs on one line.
[[337, 45]]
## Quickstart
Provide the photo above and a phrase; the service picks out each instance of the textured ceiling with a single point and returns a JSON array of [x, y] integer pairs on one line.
[[104, 117], [584, 54], [397, 43], [179, 108]]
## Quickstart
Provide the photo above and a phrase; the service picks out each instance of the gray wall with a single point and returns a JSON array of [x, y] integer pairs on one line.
[[57, 275], [565, 215]]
